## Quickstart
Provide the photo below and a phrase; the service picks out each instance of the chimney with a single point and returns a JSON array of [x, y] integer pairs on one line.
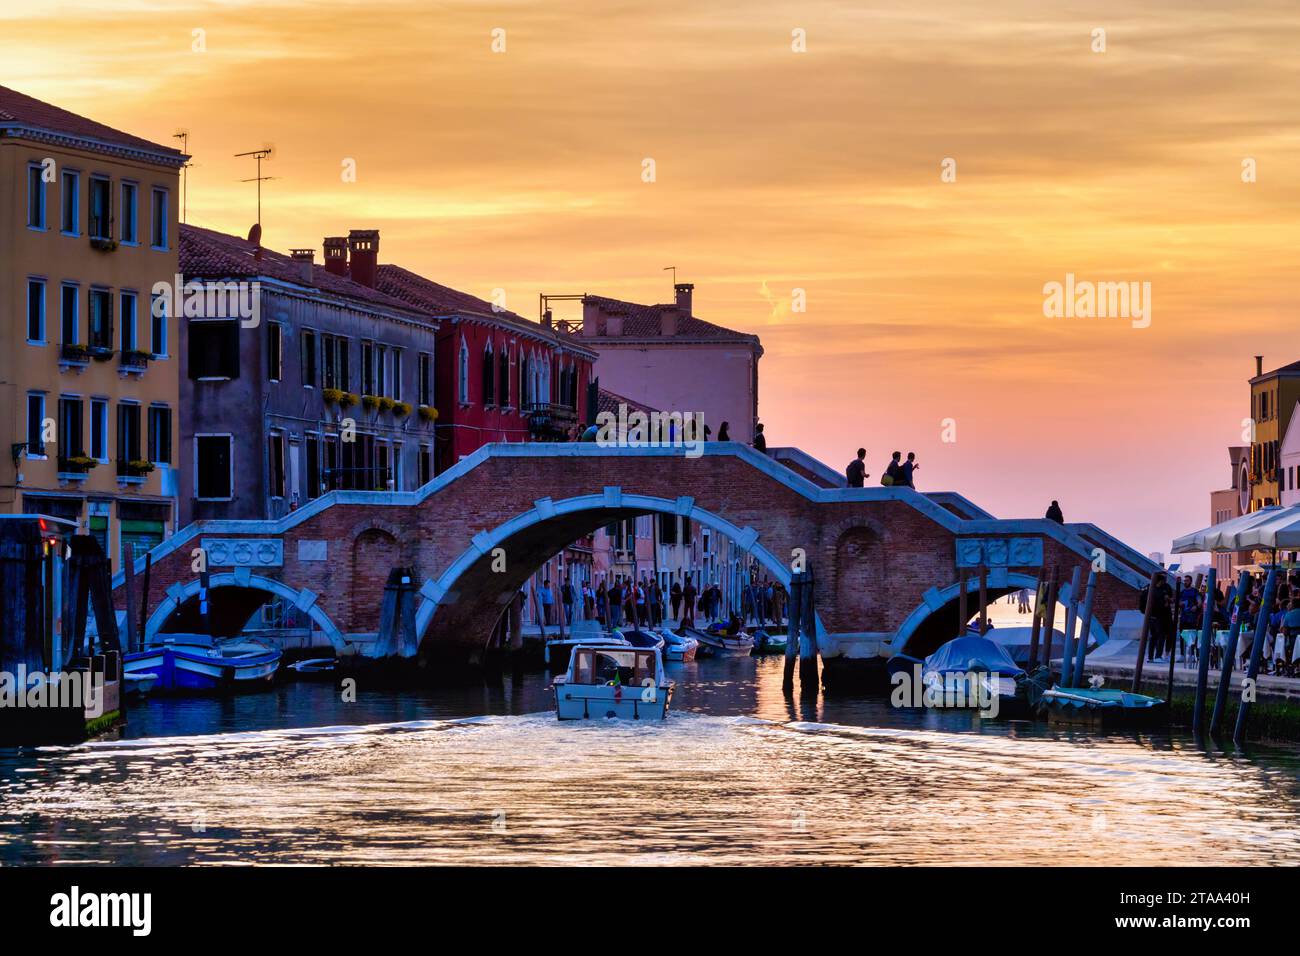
[[1259, 365], [546, 319], [336, 255], [684, 290], [304, 259], [668, 319], [613, 325], [363, 255], [590, 318]]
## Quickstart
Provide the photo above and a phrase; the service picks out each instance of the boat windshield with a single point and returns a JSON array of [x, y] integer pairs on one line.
[[624, 665]]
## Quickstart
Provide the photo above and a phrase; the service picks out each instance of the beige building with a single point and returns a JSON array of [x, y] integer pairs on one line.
[[88, 374], [1273, 397]]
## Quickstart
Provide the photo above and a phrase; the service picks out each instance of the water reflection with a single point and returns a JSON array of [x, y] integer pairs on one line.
[[739, 774]]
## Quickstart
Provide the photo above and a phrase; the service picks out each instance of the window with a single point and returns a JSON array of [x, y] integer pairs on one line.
[[503, 378], [158, 326], [68, 306], [425, 386], [101, 208], [275, 464], [397, 466], [35, 424], [334, 362], [99, 429], [308, 358], [214, 350], [426, 464], [274, 351], [381, 370], [367, 368], [36, 310], [524, 366], [489, 390], [71, 436], [160, 434], [128, 432], [72, 204], [395, 386], [159, 228], [100, 333], [330, 478], [312, 447], [36, 196], [464, 373], [129, 230], [383, 467], [126, 316], [213, 467]]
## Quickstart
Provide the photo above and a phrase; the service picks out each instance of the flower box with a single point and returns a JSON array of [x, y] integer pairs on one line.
[[386, 404], [331, 395], [76, 465], [401, 409], [134, 469], [347, 399], [135, 360], [370, 401], [428, 413], [103, 243]]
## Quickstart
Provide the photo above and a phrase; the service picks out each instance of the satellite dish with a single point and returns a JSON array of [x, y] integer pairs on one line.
[[255, 234]]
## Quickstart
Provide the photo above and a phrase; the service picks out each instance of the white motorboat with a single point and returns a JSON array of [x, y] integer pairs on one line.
[[608, 681], [678, 647], [559, 649], [723, 644]]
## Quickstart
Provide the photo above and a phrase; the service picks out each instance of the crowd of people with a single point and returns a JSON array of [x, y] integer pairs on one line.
[[626, 601], [1178, 613], [897, 472]]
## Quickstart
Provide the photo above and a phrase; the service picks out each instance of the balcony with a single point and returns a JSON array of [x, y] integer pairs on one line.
[[134, 472], [547, 420], [75, 467], [74, 355]]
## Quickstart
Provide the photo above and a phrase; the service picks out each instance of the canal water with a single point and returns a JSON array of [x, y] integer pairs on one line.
[[738, 774]]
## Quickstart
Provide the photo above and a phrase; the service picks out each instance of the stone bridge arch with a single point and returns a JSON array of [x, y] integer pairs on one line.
[[467, 599], [937, 619], [182, 593]]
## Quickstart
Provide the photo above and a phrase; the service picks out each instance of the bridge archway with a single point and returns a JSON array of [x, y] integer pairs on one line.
[[251, 588], [936, 621], [470, 595]]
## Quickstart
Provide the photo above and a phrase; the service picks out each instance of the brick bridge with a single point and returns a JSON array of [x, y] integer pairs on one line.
[[885, 560]]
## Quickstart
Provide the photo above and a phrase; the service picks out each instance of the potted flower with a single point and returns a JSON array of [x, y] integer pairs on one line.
[[74, 352], [103, 243], [370, 402], [332, 395], [77, 464], [135, 358], [347, 399], [386, 404], [136, 468], [428, 413], [401, 409]]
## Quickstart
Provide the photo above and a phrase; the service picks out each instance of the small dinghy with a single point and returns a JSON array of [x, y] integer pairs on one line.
[[967, 672], [766, 643], [605, 681], [1098, 706], [678, 647], [139, 684], [639, 638], [187, 663], [722, 644], [317, 668]]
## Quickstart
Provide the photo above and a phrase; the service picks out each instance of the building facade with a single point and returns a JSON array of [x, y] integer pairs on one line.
[[1273, 398], [1289, 462], [1231, 502], [330, 386], [89, 382]]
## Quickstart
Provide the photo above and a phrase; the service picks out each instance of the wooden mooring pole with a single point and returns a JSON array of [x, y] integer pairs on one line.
[[1203, 662], [1049, 615], [962, 612], [1146, 628], [793, 631], [1085, 625], [1256, 651], [1071, 618], [144, 597], [1037, 621], [809, 680], [984, 600], [1229, 654], [128, 570]]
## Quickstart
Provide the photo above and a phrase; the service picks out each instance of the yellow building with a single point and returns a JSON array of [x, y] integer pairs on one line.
[[88, 374], [1273, 397]]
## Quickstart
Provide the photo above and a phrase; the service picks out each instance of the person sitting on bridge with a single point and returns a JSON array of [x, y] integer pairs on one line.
[[1054, 513], [856, 472]]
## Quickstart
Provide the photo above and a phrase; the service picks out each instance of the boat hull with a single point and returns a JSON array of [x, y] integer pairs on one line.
[[602, 701], [185, 670]]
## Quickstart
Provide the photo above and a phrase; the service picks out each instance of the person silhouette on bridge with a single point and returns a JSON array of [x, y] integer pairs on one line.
[[723, 433], [760, 441], [676, 598], [688, 602], [906, 469], [856, 472], [894, 472], [1054, 513]]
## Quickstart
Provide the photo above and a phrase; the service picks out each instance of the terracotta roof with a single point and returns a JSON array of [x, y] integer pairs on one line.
[[442, 300], [643, 322], [205, 253], [1292, 369], [607, 401], [19, 109]]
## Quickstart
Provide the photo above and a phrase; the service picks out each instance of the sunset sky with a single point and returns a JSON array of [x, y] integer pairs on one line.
[[779, 170]]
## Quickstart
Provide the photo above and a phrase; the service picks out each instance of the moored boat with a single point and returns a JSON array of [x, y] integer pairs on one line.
[[722, 644], [195, 663], [1099, 706], [678, 647], [765, 642], [968, 672], [559, 649], [607, 681]]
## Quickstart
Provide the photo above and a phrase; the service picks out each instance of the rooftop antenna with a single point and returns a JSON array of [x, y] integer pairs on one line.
[[674, 272], [184, 136], [259, 154]]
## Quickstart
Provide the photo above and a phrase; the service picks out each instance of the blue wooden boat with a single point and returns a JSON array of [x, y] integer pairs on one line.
[[195, 663], [1100, 706], [606, 681]]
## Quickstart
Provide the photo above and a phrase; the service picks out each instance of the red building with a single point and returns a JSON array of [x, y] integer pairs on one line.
[[499, 377]]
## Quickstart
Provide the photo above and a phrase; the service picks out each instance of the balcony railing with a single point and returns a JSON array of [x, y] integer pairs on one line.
[[76, 464], [74, 354], [133, 360], [548, 419], [133, 469]]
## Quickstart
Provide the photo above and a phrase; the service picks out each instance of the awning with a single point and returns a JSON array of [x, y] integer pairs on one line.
[[1230, 535]]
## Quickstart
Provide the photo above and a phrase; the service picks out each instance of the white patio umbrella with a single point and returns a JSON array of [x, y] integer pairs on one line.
[[1226, 535], [1281, 532]]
